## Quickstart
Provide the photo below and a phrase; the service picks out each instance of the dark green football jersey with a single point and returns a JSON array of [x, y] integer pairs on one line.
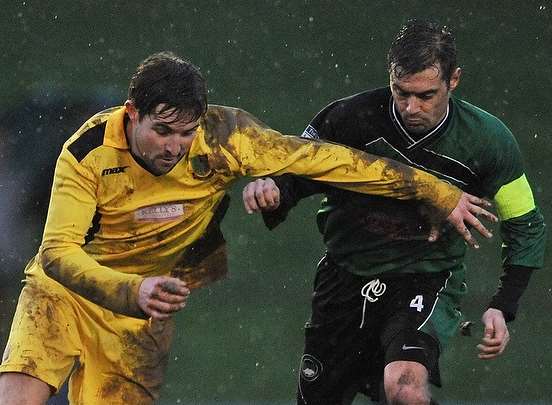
[[470, 148]]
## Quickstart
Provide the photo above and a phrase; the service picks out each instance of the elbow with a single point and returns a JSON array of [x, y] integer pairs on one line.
[[49, 262]]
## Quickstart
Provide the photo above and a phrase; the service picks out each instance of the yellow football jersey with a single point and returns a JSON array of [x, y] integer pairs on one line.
[[111, 222]]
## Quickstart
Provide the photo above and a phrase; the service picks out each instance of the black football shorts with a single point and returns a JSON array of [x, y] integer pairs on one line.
[[360, 324]]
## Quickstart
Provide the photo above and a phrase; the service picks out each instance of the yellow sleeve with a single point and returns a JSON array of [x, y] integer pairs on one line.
[[262, 151], [72, 207]]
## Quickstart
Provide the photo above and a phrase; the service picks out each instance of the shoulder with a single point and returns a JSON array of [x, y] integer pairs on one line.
[[89, 136], [346, 119], [487, 123], [364, 104], [219, 122]]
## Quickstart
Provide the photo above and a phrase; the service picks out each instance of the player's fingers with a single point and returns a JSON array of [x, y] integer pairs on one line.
[[474, 222], [491, 342], [276, 197], [489, 352], [478, 201], [260, 196], [174, 286], [484, 356], [169, 298], [269, 194], [153, 310], [164, 307], [482, 212], [486, 349], [249, 201], [467, 235], [169, 290]]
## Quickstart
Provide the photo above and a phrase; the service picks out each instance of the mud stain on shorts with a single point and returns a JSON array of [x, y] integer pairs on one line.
[[144, 358]]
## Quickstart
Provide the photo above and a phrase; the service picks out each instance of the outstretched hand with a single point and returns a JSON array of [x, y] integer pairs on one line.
[[261, 195], [465, 214], [160, 297], [495, 336]]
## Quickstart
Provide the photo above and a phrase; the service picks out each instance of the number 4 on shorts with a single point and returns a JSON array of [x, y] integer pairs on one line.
[[417, 302]]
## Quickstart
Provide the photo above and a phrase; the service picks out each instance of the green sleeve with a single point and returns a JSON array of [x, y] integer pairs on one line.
[[524, 240]]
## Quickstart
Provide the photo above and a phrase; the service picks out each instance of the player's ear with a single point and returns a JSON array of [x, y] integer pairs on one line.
[[131, 110], [455, 78]]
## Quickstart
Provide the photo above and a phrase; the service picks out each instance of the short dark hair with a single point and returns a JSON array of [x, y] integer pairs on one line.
[[164, 78], [420, 45]]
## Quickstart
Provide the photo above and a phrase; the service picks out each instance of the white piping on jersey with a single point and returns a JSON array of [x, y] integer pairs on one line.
[[412, 163], [435, 302], [405, 132], [371, 292], [320, 261], [453, 160]]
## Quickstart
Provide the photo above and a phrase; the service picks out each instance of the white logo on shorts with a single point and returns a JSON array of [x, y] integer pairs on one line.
[[311, 367], [373, 290], [161, 212], [371, 293], [405, 347]]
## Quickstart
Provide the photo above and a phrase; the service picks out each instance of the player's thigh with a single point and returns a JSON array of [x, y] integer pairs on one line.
[[22, 389]]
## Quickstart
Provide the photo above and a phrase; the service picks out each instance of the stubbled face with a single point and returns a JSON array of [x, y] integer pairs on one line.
[[159, 140], [422, 98]]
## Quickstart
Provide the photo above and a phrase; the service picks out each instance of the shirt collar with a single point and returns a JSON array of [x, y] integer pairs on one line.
[[115, 134]]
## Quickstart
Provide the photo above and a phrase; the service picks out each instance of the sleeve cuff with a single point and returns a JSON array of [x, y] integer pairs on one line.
[[513, 284]]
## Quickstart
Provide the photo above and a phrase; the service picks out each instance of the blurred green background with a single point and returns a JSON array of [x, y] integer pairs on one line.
[[241, 339]]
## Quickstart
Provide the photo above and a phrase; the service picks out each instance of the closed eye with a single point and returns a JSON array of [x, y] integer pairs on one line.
[[162, 129]]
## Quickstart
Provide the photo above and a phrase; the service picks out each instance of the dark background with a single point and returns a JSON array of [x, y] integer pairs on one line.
[[240, 340]]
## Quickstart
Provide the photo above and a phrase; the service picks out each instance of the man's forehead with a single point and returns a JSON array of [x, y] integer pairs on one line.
[[172, 116], [432, 72]]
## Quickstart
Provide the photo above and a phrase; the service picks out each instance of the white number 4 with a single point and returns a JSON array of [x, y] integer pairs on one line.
[[417, 302]]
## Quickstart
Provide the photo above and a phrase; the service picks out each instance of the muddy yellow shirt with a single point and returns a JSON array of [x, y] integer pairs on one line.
[[111, 222]]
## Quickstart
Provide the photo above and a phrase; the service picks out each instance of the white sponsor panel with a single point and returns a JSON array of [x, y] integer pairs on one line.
[[161, 212]]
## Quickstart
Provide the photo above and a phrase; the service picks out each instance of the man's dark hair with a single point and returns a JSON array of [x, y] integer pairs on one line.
[[420, 45], [164, 78]]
